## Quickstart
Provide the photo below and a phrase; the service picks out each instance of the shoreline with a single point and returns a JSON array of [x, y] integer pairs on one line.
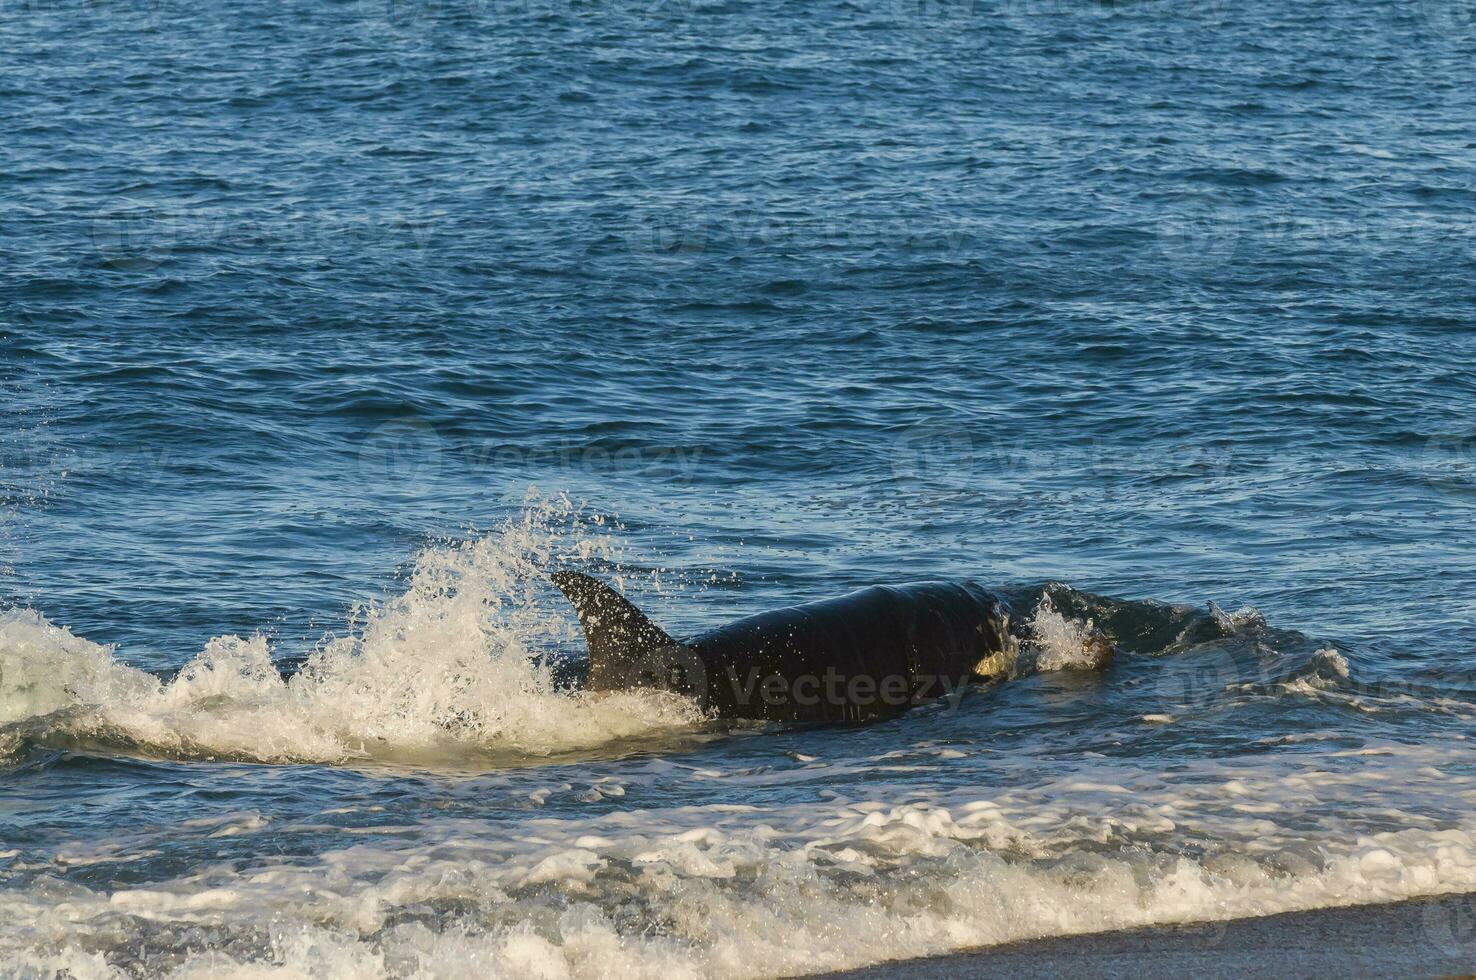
[[1429, 937]]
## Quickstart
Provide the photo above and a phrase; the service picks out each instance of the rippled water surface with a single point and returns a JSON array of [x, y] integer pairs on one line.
[[324, 326]]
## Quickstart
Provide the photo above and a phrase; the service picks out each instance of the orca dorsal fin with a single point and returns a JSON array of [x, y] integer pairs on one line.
[[617, 633]]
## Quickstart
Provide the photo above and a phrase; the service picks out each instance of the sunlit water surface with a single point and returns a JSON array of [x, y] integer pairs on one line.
[[325, 326]]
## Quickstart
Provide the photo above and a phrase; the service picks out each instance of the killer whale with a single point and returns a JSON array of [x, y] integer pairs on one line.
[[865, 656]]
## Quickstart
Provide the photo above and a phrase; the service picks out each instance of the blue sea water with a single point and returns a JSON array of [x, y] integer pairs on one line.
[[324, 325]]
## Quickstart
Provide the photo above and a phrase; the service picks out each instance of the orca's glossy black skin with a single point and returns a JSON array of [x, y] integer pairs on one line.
[[860, 657]]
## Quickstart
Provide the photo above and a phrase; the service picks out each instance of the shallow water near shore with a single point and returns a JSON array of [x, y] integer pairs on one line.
[[328, 330]]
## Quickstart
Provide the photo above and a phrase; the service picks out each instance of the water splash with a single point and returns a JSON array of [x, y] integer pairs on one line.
[[1060, 642], [453, 663]]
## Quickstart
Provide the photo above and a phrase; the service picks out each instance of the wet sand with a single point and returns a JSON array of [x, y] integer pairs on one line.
[[1433, 937]]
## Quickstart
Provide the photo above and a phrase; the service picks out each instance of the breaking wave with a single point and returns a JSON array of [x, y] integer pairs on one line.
[[453, 664], [720, 864], [739, 891]]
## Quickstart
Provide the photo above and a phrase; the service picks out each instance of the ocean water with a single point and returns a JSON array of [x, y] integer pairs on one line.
[[325, 325]]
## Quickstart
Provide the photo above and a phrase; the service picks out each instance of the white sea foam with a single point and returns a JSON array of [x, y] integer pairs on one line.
[[448, 664], [728, 890], [739, 891], [1058, 642]]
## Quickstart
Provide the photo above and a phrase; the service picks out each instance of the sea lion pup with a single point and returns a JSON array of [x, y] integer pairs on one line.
[[868, 655]]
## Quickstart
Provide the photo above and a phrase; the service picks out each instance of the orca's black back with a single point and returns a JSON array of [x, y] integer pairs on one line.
[[862, 656]]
